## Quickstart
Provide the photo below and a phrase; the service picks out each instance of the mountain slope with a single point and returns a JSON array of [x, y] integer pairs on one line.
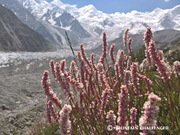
[[16, 36], [54, 33], [54, 17], [164, 39]]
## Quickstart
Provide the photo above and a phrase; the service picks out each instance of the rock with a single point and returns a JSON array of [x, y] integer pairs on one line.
[[4, 107]]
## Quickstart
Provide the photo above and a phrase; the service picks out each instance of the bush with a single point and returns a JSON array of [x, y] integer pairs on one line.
[[107, 97]]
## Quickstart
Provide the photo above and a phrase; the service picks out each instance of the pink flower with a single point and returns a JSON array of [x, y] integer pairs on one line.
[[127, 75], [111, 119], [101, 76], [134, 75], [161, 65], [48, 91], [150, 109], [63, 65], [103, 56], [129, 45], [176, 67], [73, 70], [116, 70], [105, 98], [122, 108], [147, 38], [107, 71], [82, 69], [84, 56], [111, 53], [119, 61], [133, 117], [128, 63], [64, 122], [53, 113], [147, 81], [148, 35], [125, 37], [53, 69], [62, 79], [93, 61]]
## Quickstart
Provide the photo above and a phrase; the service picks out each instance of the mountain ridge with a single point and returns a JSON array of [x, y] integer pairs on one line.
[[91, 23], [16, 36], [95, 21]]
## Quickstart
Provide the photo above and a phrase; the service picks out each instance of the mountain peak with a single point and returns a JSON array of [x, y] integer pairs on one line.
[[89, 8], [56, 2]]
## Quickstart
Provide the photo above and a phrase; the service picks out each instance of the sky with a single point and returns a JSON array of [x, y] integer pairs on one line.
[[112, 6]]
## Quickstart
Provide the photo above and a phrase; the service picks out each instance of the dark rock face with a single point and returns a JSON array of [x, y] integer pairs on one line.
[[27, 18], [16, 36]]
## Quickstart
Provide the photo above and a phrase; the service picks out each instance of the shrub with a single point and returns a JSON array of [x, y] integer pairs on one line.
[[106, 97]]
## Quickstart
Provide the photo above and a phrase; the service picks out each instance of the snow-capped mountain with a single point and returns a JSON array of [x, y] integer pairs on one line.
[[158, 19], [95, 22], [40, 22], [86, 24]]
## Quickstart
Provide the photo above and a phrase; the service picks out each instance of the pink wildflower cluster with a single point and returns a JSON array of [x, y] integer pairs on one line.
[[65, 123], [60, 76], [105, 98], [122, 108], [51, 112], [135, 79], [147, 38], [111, 53], [150, 109], [119, 62], [161, 65], [48, 91], [125, 37], [129, 45], [111, 119], [103, 56], [98, 93], [133, 117], [128, 63]]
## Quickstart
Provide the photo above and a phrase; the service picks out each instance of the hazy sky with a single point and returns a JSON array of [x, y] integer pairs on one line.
[[111, 6]]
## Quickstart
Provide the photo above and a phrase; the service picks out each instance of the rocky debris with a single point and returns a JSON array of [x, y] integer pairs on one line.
[[22, 99]]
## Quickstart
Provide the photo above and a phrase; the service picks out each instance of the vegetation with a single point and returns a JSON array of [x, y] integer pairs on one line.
[[110, 97]]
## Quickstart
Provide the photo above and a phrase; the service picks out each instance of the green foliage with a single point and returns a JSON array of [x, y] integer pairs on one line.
[[139, 56]]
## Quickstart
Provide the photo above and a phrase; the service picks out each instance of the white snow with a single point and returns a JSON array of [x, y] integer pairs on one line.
[[113, 24]]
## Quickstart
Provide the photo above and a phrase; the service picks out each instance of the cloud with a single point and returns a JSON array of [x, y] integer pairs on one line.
[[166, 0]]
